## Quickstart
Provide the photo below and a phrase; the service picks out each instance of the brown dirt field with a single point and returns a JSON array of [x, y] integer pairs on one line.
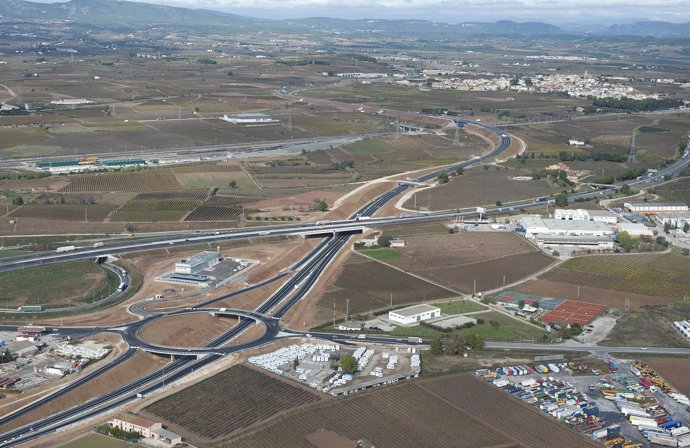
[[140, 364], [524, 423], [673, 370], [607, 297], [209, 410], [401, 416], [193, 330], [251, 334]]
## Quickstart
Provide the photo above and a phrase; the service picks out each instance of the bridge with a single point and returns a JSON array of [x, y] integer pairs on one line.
[[321, 232]]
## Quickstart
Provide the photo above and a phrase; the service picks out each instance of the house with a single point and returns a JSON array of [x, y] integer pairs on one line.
[[146, 428]]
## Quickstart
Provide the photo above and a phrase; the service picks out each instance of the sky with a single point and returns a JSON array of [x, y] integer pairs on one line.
[[553, 11]]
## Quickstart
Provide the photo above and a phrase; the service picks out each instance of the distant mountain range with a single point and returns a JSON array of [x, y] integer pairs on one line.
[[127, 14]]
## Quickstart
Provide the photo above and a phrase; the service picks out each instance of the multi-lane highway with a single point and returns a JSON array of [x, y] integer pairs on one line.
[[304, 275]]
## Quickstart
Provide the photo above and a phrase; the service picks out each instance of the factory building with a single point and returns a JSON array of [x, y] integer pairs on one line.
[[652, 207], [414, 314], [534, 225], [585, 215], [635, 230], [248, 118], [580, 242], [676, 220], [197, 263]]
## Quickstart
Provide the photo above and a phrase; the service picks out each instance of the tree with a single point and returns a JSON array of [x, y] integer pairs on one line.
[[323, 206], [232, 183], [474, 341], [686, 227], [626, 242], [17, 200], [436, 346], [348, 364], [521, 304], [385, 240], [625, 189], [451, 230], [295, 363], [536, 304], [562, 199], [442, 177], [460, 171], [556, 254], [499, 203]]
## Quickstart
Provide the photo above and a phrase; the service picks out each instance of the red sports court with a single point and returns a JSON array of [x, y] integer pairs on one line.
[[570, 312]]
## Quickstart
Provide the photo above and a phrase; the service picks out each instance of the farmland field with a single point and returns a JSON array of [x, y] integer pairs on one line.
[[468, 256], [140, 181], [64, 212], [674, 370], [480, 187], [145, 210], [649, 274], [677, 191], [650, 326], [400, 416], [51, 285], [230, 401], [383, 284], [524, 423], [213, 213], [96, 441]]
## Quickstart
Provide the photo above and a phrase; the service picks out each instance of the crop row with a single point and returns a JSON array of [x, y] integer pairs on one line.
[[143, 181], [198, 194], [212, 213], [159, 205]]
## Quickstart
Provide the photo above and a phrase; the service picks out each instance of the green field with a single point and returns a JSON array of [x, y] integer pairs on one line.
[[508, 329], [56, 284], [382, 254], [96, 441], [459, 307]]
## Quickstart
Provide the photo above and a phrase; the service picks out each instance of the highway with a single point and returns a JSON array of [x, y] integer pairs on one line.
[[305, 274]]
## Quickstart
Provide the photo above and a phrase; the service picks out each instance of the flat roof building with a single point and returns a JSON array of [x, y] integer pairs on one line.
[[197, 263], [635, 230], [581, 242], [585, 215], [414, 314], [651, 207], [535, 225], [674, 219], [248, 118]]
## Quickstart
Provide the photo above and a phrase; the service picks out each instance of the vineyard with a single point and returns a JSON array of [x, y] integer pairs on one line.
[[399, 416], [64, 212], [489, 404], [213, 213], [138, 210], [140, 181], [650, 274], [383, 283], [207, 168], [232, 400], [194, 195], [231, 201]]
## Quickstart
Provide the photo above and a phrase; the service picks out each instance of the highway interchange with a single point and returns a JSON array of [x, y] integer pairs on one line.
[[302, 278]]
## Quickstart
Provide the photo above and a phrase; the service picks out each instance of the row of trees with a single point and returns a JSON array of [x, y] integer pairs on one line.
[[454, 344]]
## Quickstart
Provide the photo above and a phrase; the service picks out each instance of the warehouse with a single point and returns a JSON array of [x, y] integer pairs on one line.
[[585, 215], [580, 242], [676, 220], [534, 225], [414, 314], [197, 263], [635, 230], [652, 207], [248, 118]]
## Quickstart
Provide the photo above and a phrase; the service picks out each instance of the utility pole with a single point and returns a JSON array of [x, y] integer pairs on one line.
[[456, 138], [391, 299], [474, 288], [631, 157], [347, 309]]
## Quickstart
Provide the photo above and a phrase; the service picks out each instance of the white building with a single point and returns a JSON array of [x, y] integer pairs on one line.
[[576, 143], [535, 225], [580, 242], [651, 207], [635, 230], [197, 263], [674, 219], [249, 118], [585, 215], [360, 75], [414, 314], [72, 102]]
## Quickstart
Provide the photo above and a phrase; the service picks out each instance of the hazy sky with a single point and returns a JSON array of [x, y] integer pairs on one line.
[[555, 11]]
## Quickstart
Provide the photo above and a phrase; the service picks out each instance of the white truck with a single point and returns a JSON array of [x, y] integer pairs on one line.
[[65, 249], [99, 244]]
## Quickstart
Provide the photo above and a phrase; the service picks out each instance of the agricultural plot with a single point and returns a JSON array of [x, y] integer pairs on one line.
[[650, 326], [232, 400], [139, 181], [526, 425], [649, 274], [151, 210], [489, 259], [383, 284], [64, 212], [677, 191], [480, 187], [192, 195], [385, 418], [675, 370], [213, 213]]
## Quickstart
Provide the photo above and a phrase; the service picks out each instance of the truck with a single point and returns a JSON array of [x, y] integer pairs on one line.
[[644, 382], [122, 287], [99, 244], [30, 308], [65, 249], [414, 340], [542, 199]]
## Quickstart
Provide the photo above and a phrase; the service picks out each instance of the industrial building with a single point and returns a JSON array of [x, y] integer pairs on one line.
[[652, 207], [197, 263], [580, 242], [256, 118], [676, 220], [636, 230], [585, 215], [534, 225], [414, 314]]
